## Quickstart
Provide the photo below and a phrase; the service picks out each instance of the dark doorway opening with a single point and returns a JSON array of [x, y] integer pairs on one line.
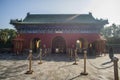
[[58, 45], [36, 44]]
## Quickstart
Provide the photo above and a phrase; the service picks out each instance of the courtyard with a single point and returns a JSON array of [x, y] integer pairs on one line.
[[56, 67]]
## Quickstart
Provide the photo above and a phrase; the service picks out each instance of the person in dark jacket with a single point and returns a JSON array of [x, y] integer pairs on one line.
[[111, 53]]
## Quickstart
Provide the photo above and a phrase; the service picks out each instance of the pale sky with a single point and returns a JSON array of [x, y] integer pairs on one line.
[[13, 9]]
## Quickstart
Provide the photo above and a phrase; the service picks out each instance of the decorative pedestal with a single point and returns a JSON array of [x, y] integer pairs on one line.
[[29, 72], [84, 73], [75, 63], [40, 62]]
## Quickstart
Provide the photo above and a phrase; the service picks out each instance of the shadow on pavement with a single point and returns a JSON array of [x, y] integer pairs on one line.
[[75, 77], [106, 62], [49, 57]]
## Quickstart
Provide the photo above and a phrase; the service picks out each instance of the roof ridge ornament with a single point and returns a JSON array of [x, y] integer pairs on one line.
[[28, 13], [90, 13]]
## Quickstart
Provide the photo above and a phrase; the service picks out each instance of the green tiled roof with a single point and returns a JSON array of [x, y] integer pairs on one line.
[[61, 18]]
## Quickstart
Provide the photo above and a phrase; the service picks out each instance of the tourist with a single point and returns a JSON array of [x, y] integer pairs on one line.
[[111, 53]]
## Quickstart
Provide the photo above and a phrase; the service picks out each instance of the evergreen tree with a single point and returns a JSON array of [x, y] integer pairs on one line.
[[6, 36]]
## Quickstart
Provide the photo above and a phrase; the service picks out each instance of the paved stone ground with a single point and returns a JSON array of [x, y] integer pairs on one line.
[[56, 67]]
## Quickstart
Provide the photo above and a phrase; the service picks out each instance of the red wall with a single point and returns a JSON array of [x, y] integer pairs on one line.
[[47, 38]]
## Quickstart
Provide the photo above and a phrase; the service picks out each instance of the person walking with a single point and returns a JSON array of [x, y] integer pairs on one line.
[[111, 53]]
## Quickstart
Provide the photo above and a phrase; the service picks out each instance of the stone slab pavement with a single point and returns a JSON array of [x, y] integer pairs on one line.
[[56, 67]]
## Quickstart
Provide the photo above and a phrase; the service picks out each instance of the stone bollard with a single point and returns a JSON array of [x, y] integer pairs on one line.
[[115, 61], [75, 57], [40, 57], [30, 71], [85, 56]]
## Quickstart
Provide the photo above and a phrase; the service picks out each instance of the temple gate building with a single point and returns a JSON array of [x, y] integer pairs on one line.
[[58, 32]]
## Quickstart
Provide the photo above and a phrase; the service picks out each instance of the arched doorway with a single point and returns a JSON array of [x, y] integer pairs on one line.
[[99, 46], [58, 45], [81, 44], [36, 44]]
